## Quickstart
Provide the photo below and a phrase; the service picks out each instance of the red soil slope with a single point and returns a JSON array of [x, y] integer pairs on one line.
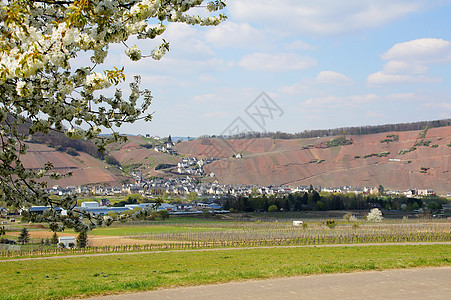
[[85, 168], [275, 162]]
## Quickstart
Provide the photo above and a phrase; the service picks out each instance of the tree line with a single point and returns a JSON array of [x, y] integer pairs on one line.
[[360, 130], [314, 201]]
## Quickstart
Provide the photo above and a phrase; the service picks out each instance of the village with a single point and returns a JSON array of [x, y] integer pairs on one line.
[[183, 186]]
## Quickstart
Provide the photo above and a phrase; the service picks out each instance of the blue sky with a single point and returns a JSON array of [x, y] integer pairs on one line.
[[323, 64]]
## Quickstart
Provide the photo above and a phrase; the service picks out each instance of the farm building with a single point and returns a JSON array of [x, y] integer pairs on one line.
[[89, 204], [102, 211], [297, 223], [162, 206], [39, 210], [67, 241]]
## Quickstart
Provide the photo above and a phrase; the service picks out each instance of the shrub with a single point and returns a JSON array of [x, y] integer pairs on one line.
[[330, 223], [111, 160], [339, 141], [82, 240], [163, 166], [423, 143], [72, 151], [404, 151], [147, 146], [164, 214], [347, 216], [273, 208], [390, 138], [423, 133], [24, 236], [384, 154], [54, 239]]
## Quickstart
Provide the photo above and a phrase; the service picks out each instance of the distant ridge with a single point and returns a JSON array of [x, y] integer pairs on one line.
[[358, 130]]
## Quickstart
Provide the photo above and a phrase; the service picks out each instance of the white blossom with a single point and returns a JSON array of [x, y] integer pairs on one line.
[[134, 53], [21, 87], [375, 215], [97, 81]]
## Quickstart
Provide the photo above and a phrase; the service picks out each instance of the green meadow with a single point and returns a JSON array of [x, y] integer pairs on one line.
[[123, 231], [59, 278]]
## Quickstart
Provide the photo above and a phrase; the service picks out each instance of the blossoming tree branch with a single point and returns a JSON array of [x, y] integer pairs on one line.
[[40, 91]]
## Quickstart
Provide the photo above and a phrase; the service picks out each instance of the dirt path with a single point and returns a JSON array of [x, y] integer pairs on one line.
[[225, 249], [421, 283]]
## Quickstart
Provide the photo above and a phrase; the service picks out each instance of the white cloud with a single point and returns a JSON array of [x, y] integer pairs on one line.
[[409, 62], [239, 35], [323, 17], [381, 78], [276, 62], [187, 42], [331, 77], [397, 67], [425, 50], [180, 31], [318, 84]]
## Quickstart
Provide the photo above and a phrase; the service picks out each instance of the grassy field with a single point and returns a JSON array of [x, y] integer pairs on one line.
[[82, 276], [123, 231]]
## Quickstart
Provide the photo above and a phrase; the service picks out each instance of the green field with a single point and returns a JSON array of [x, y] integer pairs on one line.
[[123, 231], [81, 276]]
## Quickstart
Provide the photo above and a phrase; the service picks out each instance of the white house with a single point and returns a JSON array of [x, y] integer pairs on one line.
[[89, 204], [67, 241], [425, 192], [297, 223]]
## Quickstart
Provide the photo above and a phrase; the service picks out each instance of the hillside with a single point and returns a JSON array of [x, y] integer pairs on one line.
[[390, 159], [85, 168], [132, 155], [370, 160]]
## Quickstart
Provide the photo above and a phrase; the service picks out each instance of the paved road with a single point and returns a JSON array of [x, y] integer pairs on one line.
[[225, 249], [412, 284]]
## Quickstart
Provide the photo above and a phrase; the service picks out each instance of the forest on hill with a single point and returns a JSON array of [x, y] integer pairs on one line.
[[358, 130]]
